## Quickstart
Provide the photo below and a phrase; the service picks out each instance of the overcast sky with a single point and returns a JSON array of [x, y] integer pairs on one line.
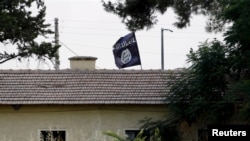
[[85, 29]]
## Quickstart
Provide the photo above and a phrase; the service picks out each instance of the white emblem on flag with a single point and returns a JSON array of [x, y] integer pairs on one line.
[[126, 56]]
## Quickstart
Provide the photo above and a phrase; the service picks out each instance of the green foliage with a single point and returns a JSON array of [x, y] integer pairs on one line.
[[237, 37], [157, 135], [199, 93], [241, 95], [21, 26], [140, 14], [140, 137]]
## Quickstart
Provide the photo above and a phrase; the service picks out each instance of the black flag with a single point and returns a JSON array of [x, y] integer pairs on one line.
[[126, 51]]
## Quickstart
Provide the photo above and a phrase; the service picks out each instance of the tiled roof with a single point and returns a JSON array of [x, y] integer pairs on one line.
[[83, 87]]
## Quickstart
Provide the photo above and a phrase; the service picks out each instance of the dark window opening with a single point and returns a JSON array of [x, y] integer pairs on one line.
[[52, 135]]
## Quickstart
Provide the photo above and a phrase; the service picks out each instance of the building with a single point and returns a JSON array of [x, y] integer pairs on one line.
[[78, 103]]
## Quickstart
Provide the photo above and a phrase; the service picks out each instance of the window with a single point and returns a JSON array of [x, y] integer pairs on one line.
[[52, 135], [131, 134]]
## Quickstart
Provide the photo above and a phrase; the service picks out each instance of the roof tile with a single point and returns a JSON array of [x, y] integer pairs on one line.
[[83, 87]]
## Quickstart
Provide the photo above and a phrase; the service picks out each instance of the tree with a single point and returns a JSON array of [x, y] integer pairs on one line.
[[21, 26], [200, 94], [220, 73], [140, 14], [237, 38]]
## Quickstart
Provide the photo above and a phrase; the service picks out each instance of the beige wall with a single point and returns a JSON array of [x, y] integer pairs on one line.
[[82, 123]]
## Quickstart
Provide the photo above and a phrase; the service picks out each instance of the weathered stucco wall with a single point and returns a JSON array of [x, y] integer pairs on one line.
[[81, 123]]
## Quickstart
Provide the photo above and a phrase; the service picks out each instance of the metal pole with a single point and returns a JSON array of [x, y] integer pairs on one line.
[[162, 50], [162, 46], [56, 43]]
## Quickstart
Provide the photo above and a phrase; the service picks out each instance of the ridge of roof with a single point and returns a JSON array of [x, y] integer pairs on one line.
[[89, 71]]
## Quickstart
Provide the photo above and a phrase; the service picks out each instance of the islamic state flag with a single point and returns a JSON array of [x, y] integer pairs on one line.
[[126, 51]]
